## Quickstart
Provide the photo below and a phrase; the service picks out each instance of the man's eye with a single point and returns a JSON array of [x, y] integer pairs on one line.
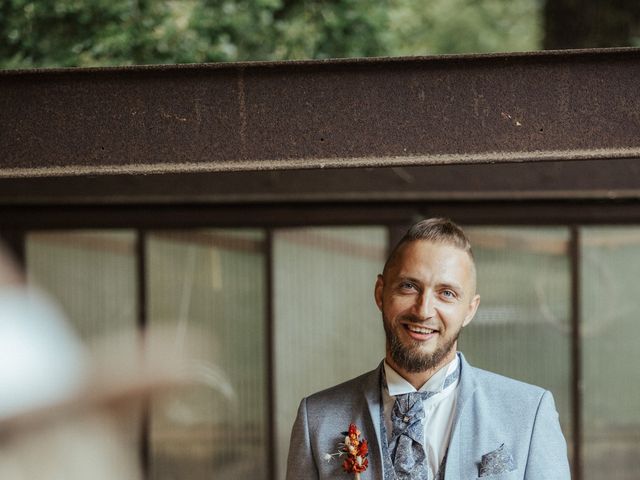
[[407, 286], [449, 294]]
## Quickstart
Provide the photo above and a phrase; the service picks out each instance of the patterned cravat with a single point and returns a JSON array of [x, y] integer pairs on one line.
[[406, 445], [407, 452]]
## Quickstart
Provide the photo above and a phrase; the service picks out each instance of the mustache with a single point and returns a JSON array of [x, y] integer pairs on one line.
[[423, 322], [413, 318]]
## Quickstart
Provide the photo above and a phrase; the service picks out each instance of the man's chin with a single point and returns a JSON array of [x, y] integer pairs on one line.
[[422, 358], [422, 348]]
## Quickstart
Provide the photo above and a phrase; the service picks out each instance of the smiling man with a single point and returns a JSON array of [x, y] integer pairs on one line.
[[425, 412]]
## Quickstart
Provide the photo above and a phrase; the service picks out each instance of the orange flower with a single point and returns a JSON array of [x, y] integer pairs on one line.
[[364, 448], [356, 450]]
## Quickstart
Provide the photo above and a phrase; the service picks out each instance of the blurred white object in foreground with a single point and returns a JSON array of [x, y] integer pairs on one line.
[[42, 363], [61, 405]]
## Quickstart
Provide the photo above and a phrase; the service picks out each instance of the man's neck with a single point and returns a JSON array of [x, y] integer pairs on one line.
[[418, 379]]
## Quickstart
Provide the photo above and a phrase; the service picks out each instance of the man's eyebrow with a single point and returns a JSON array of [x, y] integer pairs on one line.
[[404, 278]]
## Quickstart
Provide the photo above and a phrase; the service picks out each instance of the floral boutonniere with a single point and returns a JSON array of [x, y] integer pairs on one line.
[[356, 451]]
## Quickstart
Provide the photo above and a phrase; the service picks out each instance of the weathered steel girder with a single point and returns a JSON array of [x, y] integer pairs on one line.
[[341, 113], [596, 180]]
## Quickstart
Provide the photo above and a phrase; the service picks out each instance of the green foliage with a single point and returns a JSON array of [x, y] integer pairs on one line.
[[425, 27], [79, 32], [347, 28], [214, 30], [61, 33]]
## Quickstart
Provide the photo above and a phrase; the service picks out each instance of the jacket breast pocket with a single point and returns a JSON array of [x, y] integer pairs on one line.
[[513, 475]]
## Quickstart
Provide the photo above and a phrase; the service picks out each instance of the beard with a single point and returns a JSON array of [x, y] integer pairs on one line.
[[408, 355]]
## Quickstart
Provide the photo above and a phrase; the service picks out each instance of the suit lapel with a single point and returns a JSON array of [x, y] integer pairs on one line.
[[372, 395], [466, 392]]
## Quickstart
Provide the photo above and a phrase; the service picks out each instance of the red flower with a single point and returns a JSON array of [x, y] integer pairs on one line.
[[364, 448], [356, 450]]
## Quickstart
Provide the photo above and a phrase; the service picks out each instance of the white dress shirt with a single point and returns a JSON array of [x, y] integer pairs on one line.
[[438, 409]]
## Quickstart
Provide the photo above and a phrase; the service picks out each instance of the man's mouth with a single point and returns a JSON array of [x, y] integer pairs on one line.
[[423, 330], [420, 333]]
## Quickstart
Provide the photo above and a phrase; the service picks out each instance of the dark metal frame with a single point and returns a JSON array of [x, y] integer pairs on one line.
[[16, 219], [576, 352], [272, 450], [141, 273]]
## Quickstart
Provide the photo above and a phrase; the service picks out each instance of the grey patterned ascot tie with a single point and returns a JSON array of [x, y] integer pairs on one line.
[[407, 451]]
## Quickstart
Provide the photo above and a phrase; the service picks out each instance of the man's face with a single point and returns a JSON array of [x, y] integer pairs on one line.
[[426, 296]]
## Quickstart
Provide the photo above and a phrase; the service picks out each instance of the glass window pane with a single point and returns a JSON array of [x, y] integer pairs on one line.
[[522, 328], [92, 274], [323, 282], [610, 263], [214, 281]]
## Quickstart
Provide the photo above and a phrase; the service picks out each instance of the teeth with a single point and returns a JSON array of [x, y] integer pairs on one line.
[[424, 331]]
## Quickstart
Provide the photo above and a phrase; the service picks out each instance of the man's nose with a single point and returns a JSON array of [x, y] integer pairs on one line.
[[425, 304]]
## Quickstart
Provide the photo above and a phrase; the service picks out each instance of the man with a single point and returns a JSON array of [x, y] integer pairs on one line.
[[425, 412]]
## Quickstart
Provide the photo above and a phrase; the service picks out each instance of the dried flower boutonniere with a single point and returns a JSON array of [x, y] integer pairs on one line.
[[355, 449]]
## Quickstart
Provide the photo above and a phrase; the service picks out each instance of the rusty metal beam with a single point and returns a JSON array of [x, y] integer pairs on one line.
[[557, 180], [316, 114]]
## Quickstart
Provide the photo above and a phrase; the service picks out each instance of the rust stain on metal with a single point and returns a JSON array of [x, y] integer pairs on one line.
[[173, 116], [511, 119], [242, 110]]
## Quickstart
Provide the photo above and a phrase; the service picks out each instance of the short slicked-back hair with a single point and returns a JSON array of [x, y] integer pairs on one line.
[[437, 230]]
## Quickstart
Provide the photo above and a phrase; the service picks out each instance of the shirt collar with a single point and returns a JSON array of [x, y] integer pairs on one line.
[[397, 385]]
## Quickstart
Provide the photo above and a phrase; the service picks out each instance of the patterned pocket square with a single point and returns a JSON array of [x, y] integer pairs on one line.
[[496, 462]]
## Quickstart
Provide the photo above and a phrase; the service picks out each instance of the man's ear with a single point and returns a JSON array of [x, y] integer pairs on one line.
[[377, 293], [473, 308]]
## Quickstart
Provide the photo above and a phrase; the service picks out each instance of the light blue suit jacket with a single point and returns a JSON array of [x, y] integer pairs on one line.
[[493, 414]]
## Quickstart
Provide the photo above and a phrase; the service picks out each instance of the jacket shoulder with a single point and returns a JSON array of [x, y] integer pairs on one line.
[[346, 392], [503, 389]]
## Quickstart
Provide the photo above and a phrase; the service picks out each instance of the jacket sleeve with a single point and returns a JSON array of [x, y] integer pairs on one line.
[[547, 457], [301, 463]]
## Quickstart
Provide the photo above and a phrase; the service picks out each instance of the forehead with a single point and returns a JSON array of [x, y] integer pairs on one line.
[[422, 257]]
